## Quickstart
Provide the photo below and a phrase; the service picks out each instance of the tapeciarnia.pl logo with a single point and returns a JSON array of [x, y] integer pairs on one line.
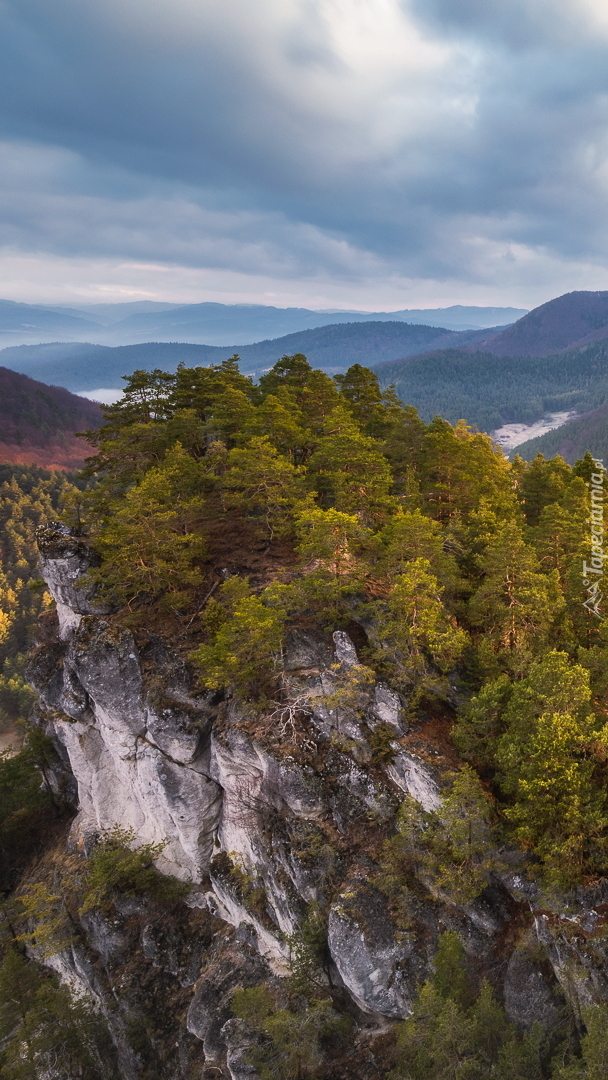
[[593, 572]]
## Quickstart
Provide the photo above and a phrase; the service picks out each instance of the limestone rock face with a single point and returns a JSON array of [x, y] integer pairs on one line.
[[271, 813], [380, 967], [117, 742], [238, 1041]]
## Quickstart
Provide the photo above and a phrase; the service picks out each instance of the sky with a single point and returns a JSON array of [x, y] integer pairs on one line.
[[368, 154]]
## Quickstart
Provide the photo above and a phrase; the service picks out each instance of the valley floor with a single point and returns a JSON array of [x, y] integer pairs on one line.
[[511, 435]]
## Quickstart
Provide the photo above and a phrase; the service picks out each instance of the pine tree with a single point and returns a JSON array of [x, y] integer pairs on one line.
[[280, 420], [547, 762], [543, 482], [374, 411], [516, 605], [151, 545], [414, 632], [402, 448], [411, 535], [264, 483], [244, 641], [561, 530], [349, 471], [461, 471]]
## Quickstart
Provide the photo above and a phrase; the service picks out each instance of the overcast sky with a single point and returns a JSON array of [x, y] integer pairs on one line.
[[348, 153]]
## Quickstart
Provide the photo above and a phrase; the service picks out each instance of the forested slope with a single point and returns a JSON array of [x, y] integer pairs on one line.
[[572, 320], [331, 666], [489, 391], [38, 423]]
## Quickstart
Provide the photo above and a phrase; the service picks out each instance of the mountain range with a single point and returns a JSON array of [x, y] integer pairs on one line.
[[83, 367], [553, 359], [489, 391], [210, 323]]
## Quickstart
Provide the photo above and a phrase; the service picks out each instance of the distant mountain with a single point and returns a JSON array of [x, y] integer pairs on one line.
[[31, 321], [108, 314], [575, 319], [81, 367], [220, 324], [458, 317], [38, 423], [573, 439], [140, 321]]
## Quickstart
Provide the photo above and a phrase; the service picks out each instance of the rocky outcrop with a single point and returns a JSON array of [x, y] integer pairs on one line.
[[379, 966], [65, 561], [108, 722], [268, 815], [232, 966]]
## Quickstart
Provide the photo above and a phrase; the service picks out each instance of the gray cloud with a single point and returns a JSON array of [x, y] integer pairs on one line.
[[459, 142]]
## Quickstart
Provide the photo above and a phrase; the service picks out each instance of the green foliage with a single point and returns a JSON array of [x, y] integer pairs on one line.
[[594, 1049], [330, 538], [264, 483], [309, 953], [21, 789], [516, 605], [408, 536], [46, 915], [149, 547], [542, 736], [290, 1045], [16, 697], [381, 740], [25, 804], [253, 1005], [462, 473], [246, 636], [29, 497], [414, 632], [452, 849], [480, 722], [543, 484], [115, 865], [448, 1037], [47, 1031], [450, 977], [547, 761], [373, 410], [350, 472]]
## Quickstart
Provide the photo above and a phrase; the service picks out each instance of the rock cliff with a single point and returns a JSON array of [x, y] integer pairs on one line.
[[264, 816]]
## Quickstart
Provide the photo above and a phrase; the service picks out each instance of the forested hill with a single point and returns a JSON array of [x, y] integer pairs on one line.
[[569, 321], [82, 367], [489, 391], [38, 423]]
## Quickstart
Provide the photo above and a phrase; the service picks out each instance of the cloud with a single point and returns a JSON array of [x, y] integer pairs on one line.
[[451, 149]]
